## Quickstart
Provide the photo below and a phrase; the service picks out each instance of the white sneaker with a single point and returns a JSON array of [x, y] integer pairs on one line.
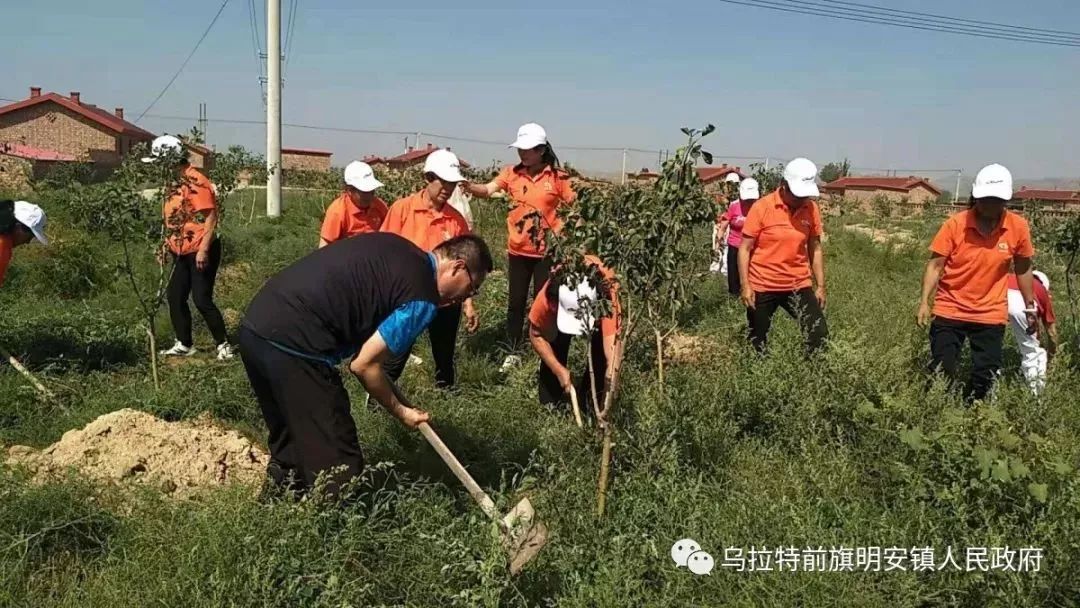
[[178, 350], [414, 360], [224, 351], [509, 362]]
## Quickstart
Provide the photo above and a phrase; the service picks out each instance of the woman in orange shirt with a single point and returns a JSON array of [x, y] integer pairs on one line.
[[357, 210], [968, 275], [536, 185], [191, 217], [20, 223]]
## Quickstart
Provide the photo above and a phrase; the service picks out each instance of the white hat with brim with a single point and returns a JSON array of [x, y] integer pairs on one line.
[[445, 164], [570, 301], [732, 177], [749, 190], [529, 136], [361, 176], [162, 146], [1041, 276], [33, 217], [801, 177], [993, 181]]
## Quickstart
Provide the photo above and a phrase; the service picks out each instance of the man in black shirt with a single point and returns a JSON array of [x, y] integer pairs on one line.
[[365, 298]]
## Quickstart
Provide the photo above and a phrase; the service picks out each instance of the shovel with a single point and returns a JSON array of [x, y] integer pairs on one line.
[[523, 535], [577, 410]]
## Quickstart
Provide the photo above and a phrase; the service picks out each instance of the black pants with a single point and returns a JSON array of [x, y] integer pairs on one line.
[[187, 280], [551, 392], [443, 336], [306, 409], [947, 339], [734, 285], [520, 270], [802, 305]]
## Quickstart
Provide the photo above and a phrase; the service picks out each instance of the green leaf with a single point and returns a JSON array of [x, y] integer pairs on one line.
[[708, 129], [913, 438], [1038, 491], [707, 156], [1018, 469], [1061, 468], [686, 131], [1000, 470], [985, 458]]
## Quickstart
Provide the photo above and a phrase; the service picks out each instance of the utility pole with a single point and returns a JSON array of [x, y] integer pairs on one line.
[[418, 134], [623, 166], [956, 193], [273, 108], [202, 121]]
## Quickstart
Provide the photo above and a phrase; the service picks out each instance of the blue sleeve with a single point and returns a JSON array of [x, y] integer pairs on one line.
[[404, 325]]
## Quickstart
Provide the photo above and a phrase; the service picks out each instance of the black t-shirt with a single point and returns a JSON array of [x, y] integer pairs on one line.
[[330, 302]]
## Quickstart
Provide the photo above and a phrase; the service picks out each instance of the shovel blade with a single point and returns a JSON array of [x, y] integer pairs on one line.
[[527, 535]]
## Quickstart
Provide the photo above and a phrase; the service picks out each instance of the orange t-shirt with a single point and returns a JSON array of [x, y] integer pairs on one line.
[[344, 219], [5, 255], [974, 283], [544, 310], [194, 198], [544, 193], [779, 260], [414, 218]]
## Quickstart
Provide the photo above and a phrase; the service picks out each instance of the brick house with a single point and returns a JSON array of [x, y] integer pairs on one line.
[[304, 159], [373, 160], [915, 192], [713, 177], [199, 156], [413, 157], [645, 176], [68, 126], [20, 164], [1055, 200]]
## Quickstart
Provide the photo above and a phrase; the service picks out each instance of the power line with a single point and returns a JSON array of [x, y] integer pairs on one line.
[[289, 35], [256, 44], [183, 65], [991, 24], [867, 18]]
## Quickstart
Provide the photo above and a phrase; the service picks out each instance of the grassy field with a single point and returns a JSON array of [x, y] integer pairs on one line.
[[852, 449]]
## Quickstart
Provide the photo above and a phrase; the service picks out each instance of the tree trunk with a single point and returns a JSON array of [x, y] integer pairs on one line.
[[1069, 287], [153, 356], [605, 469], [659, 356]]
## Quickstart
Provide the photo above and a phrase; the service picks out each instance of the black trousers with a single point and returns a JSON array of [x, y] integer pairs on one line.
[[187, 280], [551, 392], [947, 339], [307, 413], [520, 270], [442, 333], [734, 285], [801, 305]]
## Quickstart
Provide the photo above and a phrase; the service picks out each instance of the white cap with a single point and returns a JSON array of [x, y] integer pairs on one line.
[[801, 177], [569, 302], [748, 190], [1045, 280], [993, 181], [732, 177], [360, 176], [529, 136], [162, 146], [33, 217], [445, 164]]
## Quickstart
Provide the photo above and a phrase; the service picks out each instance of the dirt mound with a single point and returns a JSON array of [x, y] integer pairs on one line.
[[685, 348], [129, 446], [897, 236]]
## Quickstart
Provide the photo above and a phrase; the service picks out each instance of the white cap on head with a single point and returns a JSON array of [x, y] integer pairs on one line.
[[163, 145], [33, 217], [445, 164], [1041, 276], [732, 177], [993, 181], [569, 302], [748, 190], [361, 176], [529, 136], [801, 177]]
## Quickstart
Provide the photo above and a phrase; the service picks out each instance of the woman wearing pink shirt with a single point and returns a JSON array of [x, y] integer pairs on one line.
[[734, 219]]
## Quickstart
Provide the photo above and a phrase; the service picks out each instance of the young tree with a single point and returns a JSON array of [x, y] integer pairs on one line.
[[644, 236], [768, 178], [834, 171]]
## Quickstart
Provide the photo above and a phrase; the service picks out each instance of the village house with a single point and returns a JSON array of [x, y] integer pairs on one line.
[[713, 177], [645, 176], [200, 157], [304, 159], [66, 127], [20, 164], [413, 157], [915, 193], [1052, 200]]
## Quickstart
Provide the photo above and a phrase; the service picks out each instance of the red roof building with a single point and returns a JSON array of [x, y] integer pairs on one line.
[[713, 177], [68, 126], [1050, 196], [414, 157], [912, 191]]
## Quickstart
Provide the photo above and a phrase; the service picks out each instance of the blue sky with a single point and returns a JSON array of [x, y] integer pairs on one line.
[[595, 74]]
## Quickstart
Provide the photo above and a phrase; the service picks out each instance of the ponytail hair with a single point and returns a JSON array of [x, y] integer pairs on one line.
[[7, 216], [549, 158]]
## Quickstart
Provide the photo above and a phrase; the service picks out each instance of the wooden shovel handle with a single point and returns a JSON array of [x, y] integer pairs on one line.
[[451, 461], [577, 410], [25, 372]]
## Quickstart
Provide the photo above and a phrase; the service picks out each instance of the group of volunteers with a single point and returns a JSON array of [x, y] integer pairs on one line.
[[383, 274]]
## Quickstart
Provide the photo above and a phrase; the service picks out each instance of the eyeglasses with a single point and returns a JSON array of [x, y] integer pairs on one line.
[[473, 287]]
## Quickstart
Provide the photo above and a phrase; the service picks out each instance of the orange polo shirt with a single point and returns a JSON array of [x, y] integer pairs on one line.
[[5, 255], [974, 283], [344, 219], [779, 260], [414, 218], [544, 310], [185, 212], [544, 193]]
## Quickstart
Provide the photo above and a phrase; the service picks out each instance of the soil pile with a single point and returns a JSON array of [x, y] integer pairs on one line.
[[129, 446]]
